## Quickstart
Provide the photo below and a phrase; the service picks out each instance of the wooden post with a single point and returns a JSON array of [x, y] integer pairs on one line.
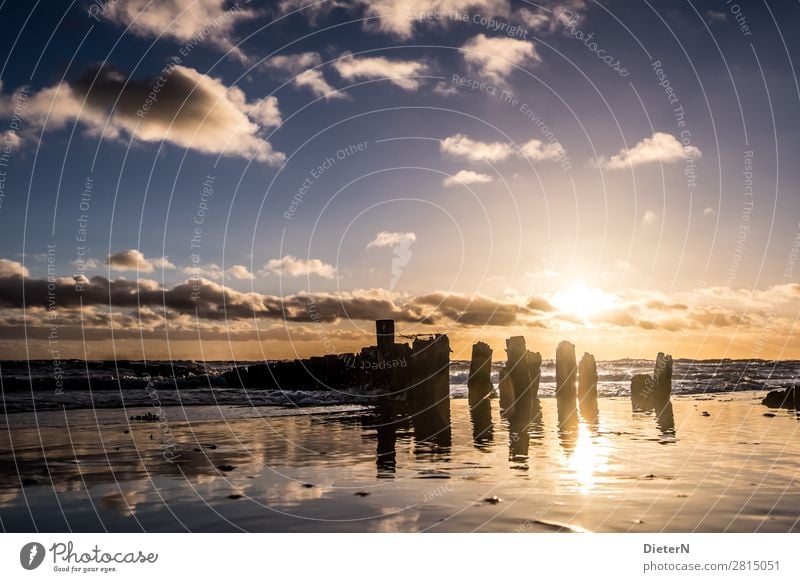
[[642, 392], [519, 371], [480, 369], [566, 372], [587, 387], [430, 390], [662, 381], [480, 393], [506, 390]]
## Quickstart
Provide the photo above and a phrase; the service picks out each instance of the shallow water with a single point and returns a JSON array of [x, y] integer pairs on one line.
[[316, 469]]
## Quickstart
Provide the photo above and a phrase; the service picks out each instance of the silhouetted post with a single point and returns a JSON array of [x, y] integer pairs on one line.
[[662, 381], [642, 392], [384, 330], [520, 380], [587, 387], [430, 393], [480, 369], [566, 372], [506, 390], [480, 393], [535, 373]]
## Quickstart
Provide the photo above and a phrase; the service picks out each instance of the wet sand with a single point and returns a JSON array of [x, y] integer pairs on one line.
[[732, 469]]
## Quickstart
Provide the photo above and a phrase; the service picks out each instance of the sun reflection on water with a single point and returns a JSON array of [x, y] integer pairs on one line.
[[587, 459]]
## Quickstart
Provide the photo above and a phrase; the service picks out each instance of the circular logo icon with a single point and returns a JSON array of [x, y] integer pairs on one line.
[[31, 555]]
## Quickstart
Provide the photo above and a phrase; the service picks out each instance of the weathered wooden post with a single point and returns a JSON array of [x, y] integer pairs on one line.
[[587, 387], [506, 390], [430, 390], [480, 393], [480, 370], [642, 392], [566, 372], [662, 381], [520, 380]]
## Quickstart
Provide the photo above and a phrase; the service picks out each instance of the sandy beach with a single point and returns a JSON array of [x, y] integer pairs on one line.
[[729, 464]]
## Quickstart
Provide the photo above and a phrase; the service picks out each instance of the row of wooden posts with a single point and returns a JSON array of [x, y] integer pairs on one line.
[[576, 383]]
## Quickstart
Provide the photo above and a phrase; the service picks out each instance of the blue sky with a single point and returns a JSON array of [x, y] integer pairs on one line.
[[491, 226]]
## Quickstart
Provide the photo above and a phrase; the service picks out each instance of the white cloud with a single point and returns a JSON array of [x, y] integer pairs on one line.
[[444, 89], [240, 272], [294, 63], [649, 217], [207, 271], [551, 14], [708, 211], [12, 269], [496, 58], [301, 65], [466, 177], [538, 151], [192, 110], [400, 17], [134, 260], [265, 112], [401, 73], [86, 264], [290, 266], [215, 272], [660, 147], [462, 146], [392, 239], [315, 81], [9, 139], [183, 20]]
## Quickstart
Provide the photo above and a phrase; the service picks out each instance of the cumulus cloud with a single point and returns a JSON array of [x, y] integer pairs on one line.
[[462, 146], [290, 266], [551, 15], [495, 58], [301, 65], [465, 177], [216, 311], [392, 239], [134, 260], [190, 109], [538, 151], [215, 272], [315, 81], [12, 269], [207, 271], [660, 147], [708, 211], [240, 272], [400, 73], [399, 18], [295, 63], [185, 21], [444, 89], [216, 302]]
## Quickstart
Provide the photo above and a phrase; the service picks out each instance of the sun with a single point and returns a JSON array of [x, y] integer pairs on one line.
[[582, 301]]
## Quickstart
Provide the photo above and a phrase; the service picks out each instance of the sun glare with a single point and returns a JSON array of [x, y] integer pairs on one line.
[[583, 302]]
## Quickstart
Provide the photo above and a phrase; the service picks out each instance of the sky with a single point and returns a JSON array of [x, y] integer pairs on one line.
[[213, 180]]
